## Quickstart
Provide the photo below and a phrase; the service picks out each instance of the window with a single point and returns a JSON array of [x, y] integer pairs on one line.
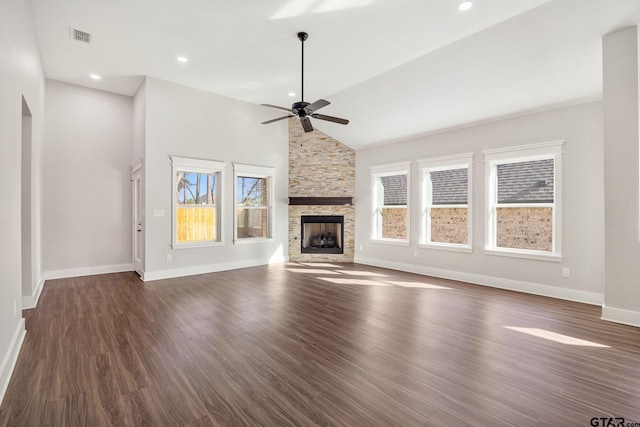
[[196, 202], [253, 195], [390, 194], [523, 200], [445, 191]]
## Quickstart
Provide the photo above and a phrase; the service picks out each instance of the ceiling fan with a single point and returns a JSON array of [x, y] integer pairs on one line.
[[302, 109]]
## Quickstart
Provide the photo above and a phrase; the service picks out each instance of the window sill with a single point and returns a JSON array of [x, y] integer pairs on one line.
[[524, 254], [393, 242], [446, 247], [252, 240], [196, 245]]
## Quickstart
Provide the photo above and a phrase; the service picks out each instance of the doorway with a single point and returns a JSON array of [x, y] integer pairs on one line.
[[137, 200], [26, 205]]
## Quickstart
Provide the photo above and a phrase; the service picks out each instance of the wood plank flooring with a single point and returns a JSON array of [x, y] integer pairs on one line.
[[316, 344]]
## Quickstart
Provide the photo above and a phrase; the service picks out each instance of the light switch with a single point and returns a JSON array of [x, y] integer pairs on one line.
[[158, 212]]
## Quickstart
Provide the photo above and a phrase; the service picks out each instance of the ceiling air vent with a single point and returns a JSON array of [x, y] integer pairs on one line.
[[81, 36]]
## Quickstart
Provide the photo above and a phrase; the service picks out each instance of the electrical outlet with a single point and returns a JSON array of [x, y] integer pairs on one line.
[[566, 272], [416, 254], [168, 257], [360, 247]]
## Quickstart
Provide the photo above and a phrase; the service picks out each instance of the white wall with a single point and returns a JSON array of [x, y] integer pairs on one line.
[[139, 138], [621, 97], [582, 205], [21, 75], [187, 122], [87, 193], [139, 122]]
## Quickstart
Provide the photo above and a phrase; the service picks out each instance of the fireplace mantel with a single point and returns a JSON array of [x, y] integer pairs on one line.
[[321, 201]]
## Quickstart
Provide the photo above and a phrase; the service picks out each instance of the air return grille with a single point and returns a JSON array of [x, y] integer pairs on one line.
[[81, 36]]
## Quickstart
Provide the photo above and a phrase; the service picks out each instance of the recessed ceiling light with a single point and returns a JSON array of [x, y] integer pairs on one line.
[[291, 94], [465, 5], [95, 76], [182, 59]]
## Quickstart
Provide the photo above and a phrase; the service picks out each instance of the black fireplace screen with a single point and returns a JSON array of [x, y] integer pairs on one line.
[[322, 234]]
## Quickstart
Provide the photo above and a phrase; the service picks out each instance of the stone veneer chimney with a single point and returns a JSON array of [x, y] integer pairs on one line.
[[320, 166]]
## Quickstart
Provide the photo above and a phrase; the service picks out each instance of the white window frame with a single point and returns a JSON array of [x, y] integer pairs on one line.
[[458, 161], [377, 194], [251, 171], [211, 167], [523, 153]]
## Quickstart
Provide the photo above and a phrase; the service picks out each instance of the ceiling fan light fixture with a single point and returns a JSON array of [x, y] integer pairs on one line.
[[303, 109], [465, 5]]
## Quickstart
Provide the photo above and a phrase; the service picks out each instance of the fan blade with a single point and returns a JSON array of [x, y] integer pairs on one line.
[[275, 106], [279, 118], [316, 106], [306, 124], [330, 119]]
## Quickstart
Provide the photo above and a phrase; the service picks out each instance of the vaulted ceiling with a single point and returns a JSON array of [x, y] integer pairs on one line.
[[396, 69]]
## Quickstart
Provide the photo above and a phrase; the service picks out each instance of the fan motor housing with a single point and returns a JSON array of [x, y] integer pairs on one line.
[[298, 108]]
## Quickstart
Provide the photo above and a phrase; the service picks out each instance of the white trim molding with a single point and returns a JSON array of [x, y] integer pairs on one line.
[[491, 281], [210, 268], [619, 315], [87, 271], [527, 150], [11, 357], [137, 165], [391, 168], [523, 153], [199, 166], [258, 172], [377, 201], [31, 301], [467, 249], [515, 253], [253, 170], [446, 161], [435, 165]]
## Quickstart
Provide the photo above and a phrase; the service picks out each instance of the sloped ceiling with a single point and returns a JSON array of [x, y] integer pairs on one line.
[[396, 69]]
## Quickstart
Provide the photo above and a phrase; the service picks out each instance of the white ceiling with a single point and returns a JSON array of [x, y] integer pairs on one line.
[[395, 68]]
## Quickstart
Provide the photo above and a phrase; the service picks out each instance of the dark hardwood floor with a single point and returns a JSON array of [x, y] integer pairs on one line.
[[324, 344]]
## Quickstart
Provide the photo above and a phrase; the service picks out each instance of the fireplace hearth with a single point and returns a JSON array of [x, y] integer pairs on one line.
[[322, 234]]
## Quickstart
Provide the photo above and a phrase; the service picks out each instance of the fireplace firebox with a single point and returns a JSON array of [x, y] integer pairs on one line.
[[322, 234]]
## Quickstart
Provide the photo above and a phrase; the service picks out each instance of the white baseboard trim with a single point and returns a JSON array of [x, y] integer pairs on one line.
[[210, 268], [619, 315], [86, 271], [31, 301], [11, 357], [491, 281]]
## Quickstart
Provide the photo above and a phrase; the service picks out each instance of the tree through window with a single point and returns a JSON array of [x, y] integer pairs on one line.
[[196, 197], [253, 202]]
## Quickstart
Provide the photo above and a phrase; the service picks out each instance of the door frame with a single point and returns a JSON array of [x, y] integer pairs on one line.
[[137, 217]]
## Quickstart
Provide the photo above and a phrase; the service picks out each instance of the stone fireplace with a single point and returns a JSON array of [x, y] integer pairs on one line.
[[296, 212], [321, 190]]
